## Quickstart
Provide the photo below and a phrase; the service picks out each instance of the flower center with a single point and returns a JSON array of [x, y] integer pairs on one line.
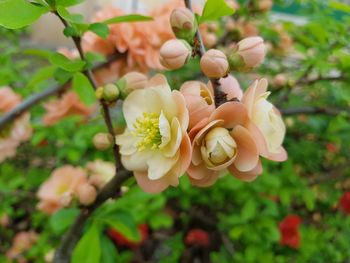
[[147, 130]]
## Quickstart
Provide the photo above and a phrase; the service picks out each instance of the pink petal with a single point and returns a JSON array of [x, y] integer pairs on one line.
[[246, 176], [278, 157], [232, 113], [151, 186]]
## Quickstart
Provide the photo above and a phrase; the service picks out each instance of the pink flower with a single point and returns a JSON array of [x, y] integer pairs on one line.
[[16, 132], [59, 189], [100, 172], [225, 140], [22, 242], [69, 104]]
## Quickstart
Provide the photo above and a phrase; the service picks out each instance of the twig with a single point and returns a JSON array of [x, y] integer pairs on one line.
[[331, 175], [219, 95], [36, 98], [313, 110]]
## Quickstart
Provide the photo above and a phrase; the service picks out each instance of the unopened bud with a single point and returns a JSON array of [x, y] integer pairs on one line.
[[250, 52], [175, 53], [130, 82], [86, 194], [214, 64], [280, 80], [210, 40], [99, 93], [111, 93], [183, 23], [102, 141]]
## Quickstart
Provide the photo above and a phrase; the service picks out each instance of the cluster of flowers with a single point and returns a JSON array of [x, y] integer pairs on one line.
[[172, 132], [68, 183], [16, 132]]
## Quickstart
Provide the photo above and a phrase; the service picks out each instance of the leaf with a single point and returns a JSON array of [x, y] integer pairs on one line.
[[73, 18], [100, 29], [248, 210], [62, 76], [340, 6], [123, 222], [82, 86], [88, 250], [38, 52], [65, 63], [109, 251], [161, 220], [214, 9], [41, 75], [62, 219], [16, 14], [67, 3], [127, 18]]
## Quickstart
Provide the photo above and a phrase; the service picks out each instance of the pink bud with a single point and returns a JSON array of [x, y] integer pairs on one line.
[[264, 5], [231, 87], [102, 141], [210, 40], [175, 53], [183, 23], [86, 194], [279, 80], [214, 64], [252, 50], [130, 82]]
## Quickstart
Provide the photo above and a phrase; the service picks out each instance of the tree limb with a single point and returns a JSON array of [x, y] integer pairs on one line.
[[313, 110]]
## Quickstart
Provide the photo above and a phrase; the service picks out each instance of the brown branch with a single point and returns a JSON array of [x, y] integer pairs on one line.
[[219, 95], [38, 97], [308, 110], [337, 173]]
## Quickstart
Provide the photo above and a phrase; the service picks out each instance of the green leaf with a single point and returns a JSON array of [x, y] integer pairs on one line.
[[109, 251], [62, 219], [73, 18], [128, 18], [16, 14], [70, 31], [88, 250], [123, 222], [62, 76], [248, 210], [100, 29], [214, 9], [41, 75], [161, 220], [340, 6], [65, 63], [67, 3], [38, 52], [82, 86]]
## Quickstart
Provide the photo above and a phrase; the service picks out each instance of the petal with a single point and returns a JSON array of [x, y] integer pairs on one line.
[[137, 161], [232, 113], [182, 112], [127, 143], [164, 128], [259, 138], [151, 186], [176, 137], [281, 156], [207, 180], [159, 166], [247, 152], [157, 80], [246, 176], [199, 126], [199, 171]]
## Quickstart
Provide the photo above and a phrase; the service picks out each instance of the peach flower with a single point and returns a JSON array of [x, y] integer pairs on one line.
[[100, 172], [16, 132], [59, 189], [225, 140], [267, 118], [21, 243], [69, 104], [155, 144], [231, 87]]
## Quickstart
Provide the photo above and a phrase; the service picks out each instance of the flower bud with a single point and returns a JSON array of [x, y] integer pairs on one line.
[[183, 23], [175, 53], [210, 40], [130, 82], [110, 93], [279, 80], [219, 147], [214, 64], [86, 194], [99, 93], [250, 52], [231, 87], [102, 141]]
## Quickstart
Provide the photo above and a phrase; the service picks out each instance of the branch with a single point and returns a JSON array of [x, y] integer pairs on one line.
[[36, 98], [219, 95], [71, 238], [313, 110], [335, 174]]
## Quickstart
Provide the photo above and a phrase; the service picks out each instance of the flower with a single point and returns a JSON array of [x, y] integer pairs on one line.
[[86, 193], [100, 172], [344, 203], [69, 104], [175, 53], [199, 101], [231, 87], [225, 140], [268, 119], [130, 82], [155, 145], [122, 240], [288, 228], [22, 242], [252, 51], [102, 141], [197, 237], [16, 132], [183, 23], [214, 64], [59, 189]]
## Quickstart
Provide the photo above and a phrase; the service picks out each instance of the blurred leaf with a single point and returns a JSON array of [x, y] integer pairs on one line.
[[62, 219], [41, 75], [67, 3], [128, 18], [249, 210], [88, 250], [215, 9], [66, 15], [65, 63], [82, 86], [340, 6], [109, 251], [100, 29], [161, 220], [15, 14]]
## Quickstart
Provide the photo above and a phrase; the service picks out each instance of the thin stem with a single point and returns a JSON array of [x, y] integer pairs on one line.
[[313, 110]]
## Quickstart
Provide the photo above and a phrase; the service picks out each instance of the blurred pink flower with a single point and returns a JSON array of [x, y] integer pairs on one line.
[[100, 172], [59, 189], [16, 132], [22, 242], [69, 104]]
